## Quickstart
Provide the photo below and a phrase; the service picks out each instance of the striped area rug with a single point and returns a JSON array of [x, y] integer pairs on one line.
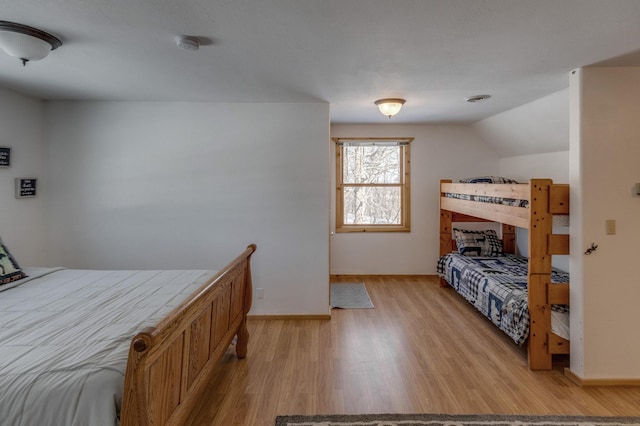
[[451, 420]]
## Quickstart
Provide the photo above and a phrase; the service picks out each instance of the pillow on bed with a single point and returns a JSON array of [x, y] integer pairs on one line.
[[9, 269], [478, 243], [487, 179]]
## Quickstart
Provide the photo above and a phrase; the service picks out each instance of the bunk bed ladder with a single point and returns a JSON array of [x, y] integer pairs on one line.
[[540, 227]]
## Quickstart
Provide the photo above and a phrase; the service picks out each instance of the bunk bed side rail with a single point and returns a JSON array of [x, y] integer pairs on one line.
[[558, 244], [558, 293], [557, 345], [459, 217], [518, 191], [510, 215]]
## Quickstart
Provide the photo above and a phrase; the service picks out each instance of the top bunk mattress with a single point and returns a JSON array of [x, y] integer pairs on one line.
[[65, 336], [489, 199], [497, 287]]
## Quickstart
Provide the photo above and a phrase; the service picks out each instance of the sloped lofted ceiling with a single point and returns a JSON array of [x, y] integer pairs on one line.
[[536, 127], [347, 53]]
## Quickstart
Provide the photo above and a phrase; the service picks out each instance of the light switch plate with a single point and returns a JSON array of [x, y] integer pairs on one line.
[[610, 227]]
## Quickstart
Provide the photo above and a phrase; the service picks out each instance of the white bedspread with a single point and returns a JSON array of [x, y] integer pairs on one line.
[[64, 340]]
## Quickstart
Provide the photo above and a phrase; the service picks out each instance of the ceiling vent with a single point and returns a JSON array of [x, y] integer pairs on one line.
[[477, 98]]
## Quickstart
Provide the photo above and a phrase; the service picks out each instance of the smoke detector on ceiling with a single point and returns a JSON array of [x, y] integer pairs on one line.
[[188, 43], [477, 98]]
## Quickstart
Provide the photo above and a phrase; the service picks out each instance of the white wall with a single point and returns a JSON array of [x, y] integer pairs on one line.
[[532, 141], [533, 128], [437, 152], [190, 185], [21, 220], [604, 169], [552, 165]]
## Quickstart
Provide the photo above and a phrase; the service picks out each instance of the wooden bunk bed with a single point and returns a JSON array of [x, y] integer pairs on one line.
[[545, 199]]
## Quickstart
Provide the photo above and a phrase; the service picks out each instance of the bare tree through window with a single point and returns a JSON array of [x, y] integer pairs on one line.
[[373, 182]]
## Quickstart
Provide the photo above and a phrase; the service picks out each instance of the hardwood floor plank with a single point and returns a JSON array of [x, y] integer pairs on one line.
[[423, 349]]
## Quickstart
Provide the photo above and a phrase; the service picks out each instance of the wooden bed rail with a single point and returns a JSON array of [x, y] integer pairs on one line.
[[559, 198], [558, 293], [558, 244], [502, 190], [557, 345], [558, 193], [170, 364], [515, 216], [557, 201]]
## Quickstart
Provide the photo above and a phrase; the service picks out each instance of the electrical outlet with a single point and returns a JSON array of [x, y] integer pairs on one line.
[[610, 227], [260, 293]]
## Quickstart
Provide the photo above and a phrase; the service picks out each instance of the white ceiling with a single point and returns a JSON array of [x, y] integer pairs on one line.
[[348, 53]]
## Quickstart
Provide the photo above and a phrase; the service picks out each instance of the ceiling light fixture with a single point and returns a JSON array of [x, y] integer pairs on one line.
[[188, 43], [26, 43], [390, 106], [477, 98]]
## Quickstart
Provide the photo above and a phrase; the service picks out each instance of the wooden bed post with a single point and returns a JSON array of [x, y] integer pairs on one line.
[[445, 232], [243, 333], [169, 365], [508, 239], [540, 227]]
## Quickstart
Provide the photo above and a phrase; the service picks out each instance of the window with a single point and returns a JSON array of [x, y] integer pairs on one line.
[[372, 185]]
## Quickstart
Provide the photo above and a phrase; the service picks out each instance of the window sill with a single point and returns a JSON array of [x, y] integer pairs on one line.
[[372, 229]]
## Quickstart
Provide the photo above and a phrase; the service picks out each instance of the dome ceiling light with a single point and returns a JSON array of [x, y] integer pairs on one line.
[[26, 43], [390, 106]]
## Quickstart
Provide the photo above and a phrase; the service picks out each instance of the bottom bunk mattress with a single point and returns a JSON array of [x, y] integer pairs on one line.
[[497, 287], [65, 336]]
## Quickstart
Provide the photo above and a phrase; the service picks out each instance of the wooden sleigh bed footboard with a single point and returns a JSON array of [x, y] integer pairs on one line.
[[543, 199], [170, 364]]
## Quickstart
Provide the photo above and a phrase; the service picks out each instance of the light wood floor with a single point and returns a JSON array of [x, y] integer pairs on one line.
[[423, 349]]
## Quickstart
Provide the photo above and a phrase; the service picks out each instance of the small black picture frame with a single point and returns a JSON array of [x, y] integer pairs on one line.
[[26, 187], [5, 156]]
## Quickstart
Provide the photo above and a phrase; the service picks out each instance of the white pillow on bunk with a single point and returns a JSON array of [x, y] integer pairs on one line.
[[478, 243]]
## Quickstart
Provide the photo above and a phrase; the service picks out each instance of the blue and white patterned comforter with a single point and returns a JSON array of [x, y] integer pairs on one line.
[[497, 287], [489, 199]]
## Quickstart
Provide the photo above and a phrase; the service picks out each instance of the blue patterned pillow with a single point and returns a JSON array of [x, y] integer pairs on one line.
[[9, 269], [478, 243], [487, 179]]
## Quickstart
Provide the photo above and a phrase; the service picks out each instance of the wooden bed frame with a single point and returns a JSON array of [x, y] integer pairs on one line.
[[545, 199], [170, 364]]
